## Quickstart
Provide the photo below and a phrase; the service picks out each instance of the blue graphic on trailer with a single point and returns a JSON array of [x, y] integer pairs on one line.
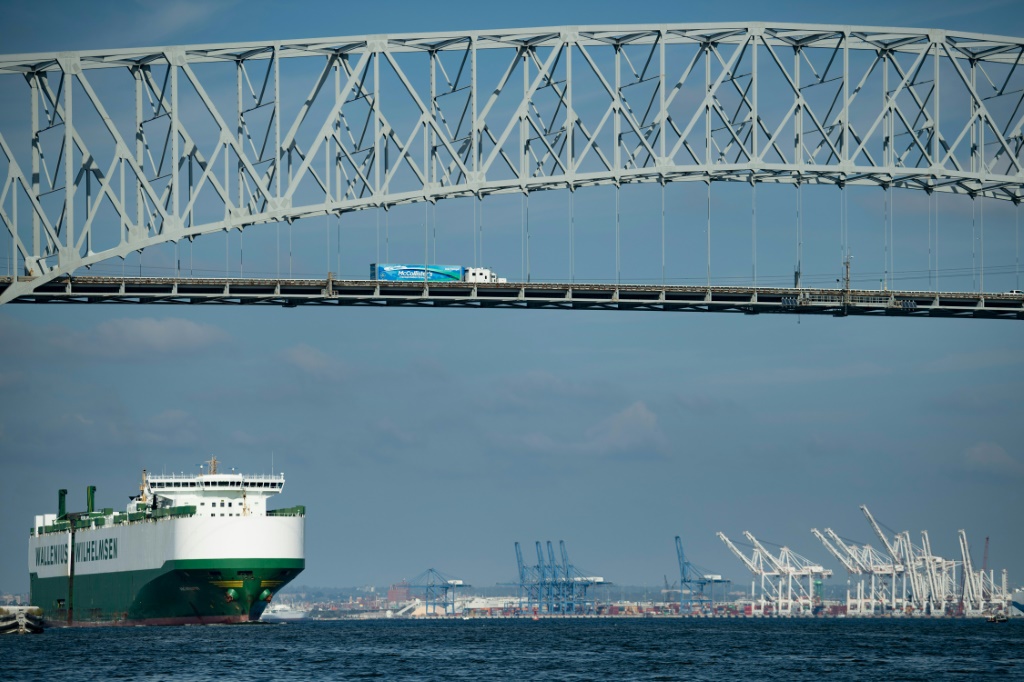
[[417, 273]]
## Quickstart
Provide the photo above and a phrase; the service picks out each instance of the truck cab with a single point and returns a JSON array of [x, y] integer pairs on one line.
[[483, 275]]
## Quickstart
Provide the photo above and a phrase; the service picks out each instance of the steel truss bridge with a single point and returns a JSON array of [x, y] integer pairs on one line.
[[106, 153]]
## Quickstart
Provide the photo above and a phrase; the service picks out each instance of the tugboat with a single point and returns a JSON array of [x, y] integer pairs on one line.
[[20, 620], [280, 613], [998, 618]]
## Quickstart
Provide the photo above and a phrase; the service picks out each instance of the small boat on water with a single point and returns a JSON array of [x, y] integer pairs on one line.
[[280, 613], [998, 618], [20, 620]]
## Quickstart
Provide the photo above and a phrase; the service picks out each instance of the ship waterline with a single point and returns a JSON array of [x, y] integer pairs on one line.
[[178, 593], [202, 549]]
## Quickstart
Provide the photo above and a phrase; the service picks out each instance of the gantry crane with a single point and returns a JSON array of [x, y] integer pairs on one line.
[[438, 591], [692, 581], [843, 559], [761, 566], [553, 588]]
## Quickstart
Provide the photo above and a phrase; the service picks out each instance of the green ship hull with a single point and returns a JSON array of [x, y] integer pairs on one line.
[[204, 591]]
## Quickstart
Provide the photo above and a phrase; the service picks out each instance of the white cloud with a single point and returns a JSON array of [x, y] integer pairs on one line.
[[245, 438], [537, 392], [173, 427], [630, 433], [143, 337], [167, 17], [314, 362], [632, 430], [992, 459]]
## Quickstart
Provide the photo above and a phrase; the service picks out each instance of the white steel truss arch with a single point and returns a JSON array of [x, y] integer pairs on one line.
[[103, 153]]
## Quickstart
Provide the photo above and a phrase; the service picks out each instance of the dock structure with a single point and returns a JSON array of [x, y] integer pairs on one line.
[[553, 588]]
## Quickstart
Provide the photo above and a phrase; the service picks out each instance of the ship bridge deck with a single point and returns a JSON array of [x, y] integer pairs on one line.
[[196, 482]]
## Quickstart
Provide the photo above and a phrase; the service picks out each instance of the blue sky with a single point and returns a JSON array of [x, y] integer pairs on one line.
[[422, 438]]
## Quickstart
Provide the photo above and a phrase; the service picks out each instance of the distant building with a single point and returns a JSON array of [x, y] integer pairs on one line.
[[14, 599], [398, 593]]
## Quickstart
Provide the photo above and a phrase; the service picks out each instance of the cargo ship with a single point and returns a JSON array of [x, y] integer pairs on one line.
[[188, 549]]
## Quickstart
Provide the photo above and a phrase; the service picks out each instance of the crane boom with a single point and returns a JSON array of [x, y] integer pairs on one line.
[[934, 587], [776, 564], [984, 570], [844, 560], [854, 557], [912, 560], [971, 592], [551, 560], [740, 555], [684, 573], [881, 536]]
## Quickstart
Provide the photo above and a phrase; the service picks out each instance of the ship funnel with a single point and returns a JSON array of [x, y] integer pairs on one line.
[[62, 507], [90, 498]]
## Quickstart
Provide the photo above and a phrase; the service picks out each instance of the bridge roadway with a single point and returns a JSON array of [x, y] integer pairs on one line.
[[533, 295]]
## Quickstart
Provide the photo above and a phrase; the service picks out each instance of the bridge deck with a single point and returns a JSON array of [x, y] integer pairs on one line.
[[529, 295]]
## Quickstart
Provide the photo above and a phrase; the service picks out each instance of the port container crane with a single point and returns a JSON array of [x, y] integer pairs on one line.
[[692, 582], [880, 569], [854, 554], [546, 579], [572, 593], [972, 590], [529, 582], [941, 586], [795, 567], [985, 595], [914, 562], [843, 559], [556, 584], [889, 547], [439, 591], [553, 588], [900, 564], [761, 566]]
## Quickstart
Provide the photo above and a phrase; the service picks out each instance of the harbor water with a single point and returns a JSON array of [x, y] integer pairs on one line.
[[547, 649]]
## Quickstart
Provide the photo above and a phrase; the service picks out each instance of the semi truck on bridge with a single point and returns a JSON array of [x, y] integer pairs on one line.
[[389, 272]]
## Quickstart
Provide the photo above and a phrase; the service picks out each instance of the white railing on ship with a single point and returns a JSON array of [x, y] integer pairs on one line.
[[195, 477]]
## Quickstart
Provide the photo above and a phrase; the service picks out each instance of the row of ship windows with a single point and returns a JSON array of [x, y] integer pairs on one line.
[[225, 484], [214, 504]]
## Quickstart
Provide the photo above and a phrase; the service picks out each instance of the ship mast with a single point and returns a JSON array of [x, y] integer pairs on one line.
[[213, 464]]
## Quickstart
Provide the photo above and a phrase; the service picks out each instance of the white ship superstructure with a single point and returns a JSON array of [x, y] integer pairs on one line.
[[213, 495]]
